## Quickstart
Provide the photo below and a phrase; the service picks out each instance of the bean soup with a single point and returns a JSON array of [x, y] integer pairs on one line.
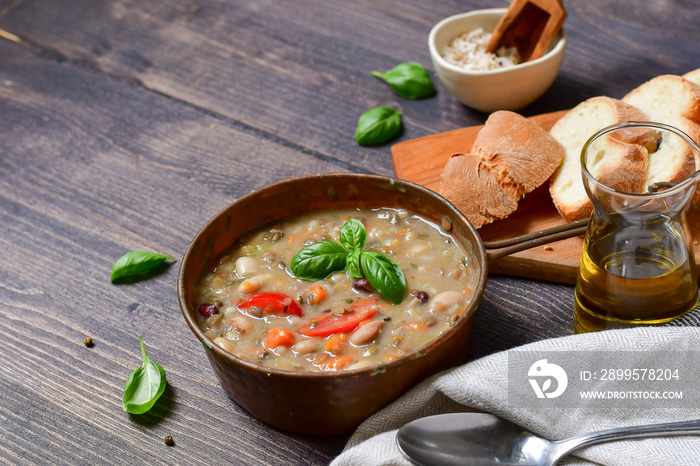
[[336, 290]]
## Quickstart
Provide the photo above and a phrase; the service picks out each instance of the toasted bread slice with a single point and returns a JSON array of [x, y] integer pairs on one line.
[[675, 101], [693, 76], [667, 98], [624, 166]]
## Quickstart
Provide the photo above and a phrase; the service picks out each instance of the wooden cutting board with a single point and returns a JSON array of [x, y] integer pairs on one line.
[[421, 161]]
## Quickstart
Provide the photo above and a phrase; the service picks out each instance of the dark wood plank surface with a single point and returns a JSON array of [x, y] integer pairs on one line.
[[126, 125]]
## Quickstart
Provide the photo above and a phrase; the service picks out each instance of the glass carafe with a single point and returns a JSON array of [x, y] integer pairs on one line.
[[638, 264]]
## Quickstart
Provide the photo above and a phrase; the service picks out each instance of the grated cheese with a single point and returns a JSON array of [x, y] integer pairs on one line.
[[468, 51]]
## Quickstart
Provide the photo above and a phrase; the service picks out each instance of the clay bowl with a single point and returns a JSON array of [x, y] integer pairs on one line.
[[501, 89], [328, 403]]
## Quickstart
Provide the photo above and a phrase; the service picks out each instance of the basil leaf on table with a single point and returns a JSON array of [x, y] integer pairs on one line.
[[353, 235], [137, 263], [409, 80], [353, 264], [318, 260], [377, 126], [144, 386], [384, 275]]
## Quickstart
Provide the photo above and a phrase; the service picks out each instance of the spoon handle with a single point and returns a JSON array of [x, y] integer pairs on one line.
[[563, 447]]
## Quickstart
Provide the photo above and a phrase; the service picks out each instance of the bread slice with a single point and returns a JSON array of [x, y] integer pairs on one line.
[[624, 166], [675, 101], [667, 97], [518, 150], [693, 76], [476, 190], [511, 156]]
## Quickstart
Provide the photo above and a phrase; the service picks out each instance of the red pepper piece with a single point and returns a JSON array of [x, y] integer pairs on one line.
[[362, 310], [272, 304]]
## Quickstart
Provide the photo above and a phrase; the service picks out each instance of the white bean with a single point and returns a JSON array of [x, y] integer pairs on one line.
[[445, 301], [246, 266], [224, 343], [418, 249], [306, 346], [330, 289], [253, 284], [281, 350], [241, 324], [366, 333], [360, 365], [339, 278], [217, 285]]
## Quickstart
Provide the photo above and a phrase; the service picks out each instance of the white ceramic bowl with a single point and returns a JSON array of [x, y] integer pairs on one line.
[[504, 89]]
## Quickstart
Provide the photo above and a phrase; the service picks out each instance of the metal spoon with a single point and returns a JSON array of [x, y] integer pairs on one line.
[[485, 439]]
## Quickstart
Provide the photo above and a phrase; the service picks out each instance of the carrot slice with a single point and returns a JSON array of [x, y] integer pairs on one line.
[[319, 293], [336, 343], [338, 363], [417, 326], [278, 337]]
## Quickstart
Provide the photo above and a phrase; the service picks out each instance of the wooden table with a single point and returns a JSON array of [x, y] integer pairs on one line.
[[126, 125]]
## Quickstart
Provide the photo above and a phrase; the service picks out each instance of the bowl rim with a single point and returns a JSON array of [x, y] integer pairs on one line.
[[478, 251], [557, 49]]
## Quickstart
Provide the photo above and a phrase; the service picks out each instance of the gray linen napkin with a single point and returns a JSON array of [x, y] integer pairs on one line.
[[482, 385]]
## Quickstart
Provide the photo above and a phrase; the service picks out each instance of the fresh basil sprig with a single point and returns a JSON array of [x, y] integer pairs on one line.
[[353, 264], [384, 275], [319, 260], [137, 263], [144, 386], [353, 235], [409, 80], [377, 126]]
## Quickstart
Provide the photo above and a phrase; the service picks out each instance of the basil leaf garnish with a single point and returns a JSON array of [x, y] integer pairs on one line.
[[384, 275], [354, 264], [318, 260], [137, 263], [144, 386], [409, 80], [377, 126], [353, 235]]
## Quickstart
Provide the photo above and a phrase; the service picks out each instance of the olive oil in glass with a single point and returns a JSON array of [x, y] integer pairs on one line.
[[635, 269]]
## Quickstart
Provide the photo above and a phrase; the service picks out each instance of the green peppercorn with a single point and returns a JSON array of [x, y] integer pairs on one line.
[[88, 342], [168, 440]]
